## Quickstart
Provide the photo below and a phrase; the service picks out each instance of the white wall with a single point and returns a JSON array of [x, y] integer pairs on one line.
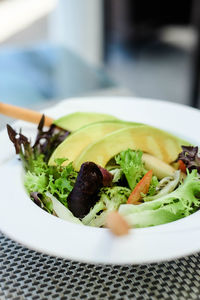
[[17, 15], [78, 24]]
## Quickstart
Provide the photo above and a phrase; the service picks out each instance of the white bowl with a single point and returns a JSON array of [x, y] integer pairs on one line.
[[29, 225]]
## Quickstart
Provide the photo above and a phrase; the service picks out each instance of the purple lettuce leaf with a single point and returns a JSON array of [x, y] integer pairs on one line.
[[190, 157], [45, 143]]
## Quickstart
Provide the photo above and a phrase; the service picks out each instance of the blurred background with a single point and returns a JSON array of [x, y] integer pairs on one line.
[[54, 49]]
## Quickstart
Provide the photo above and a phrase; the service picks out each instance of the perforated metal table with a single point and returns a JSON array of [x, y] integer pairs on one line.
[[29, 275]]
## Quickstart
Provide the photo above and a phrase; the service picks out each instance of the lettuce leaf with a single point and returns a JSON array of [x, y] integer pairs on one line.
[[36, 183], [117, 174], [42, 201], [164, 187], [131, 164], [61, 211], [110, 199], [45, 143], [40, 177], [180, 203], [57, 180], [152, 188]]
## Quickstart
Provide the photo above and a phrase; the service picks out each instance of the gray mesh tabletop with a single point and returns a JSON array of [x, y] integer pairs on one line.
[[27, 274]]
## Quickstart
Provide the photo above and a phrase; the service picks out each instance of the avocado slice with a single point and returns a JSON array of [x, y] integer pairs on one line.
[[75, 143], [76, 120], [156, 142]]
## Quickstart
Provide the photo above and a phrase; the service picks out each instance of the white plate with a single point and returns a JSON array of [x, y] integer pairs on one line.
[[29, 225]]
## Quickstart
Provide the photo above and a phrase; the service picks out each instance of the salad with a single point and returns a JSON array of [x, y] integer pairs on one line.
[[145, 185]]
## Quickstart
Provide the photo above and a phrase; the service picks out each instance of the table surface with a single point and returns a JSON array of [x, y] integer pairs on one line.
[[26, 274], [44, 73]]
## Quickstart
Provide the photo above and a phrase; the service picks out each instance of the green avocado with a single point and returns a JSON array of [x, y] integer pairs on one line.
[[151, 140], [76, 120], [75, 143]]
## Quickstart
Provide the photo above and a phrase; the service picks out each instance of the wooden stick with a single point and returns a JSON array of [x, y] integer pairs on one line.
[[117, 224], [23, 114]]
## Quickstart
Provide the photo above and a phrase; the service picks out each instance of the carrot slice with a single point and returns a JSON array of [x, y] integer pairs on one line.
[[141, 187], [182, 166]]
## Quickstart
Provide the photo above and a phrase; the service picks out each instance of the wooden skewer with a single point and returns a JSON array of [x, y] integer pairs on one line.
[[23, 114], [117, 224]]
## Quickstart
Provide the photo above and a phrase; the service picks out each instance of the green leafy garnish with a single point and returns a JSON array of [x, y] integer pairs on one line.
[[152, 188], [40, 177], [58, 180], [180, 203], [110, 199], [131, 163], [36, 182], [42, 201]]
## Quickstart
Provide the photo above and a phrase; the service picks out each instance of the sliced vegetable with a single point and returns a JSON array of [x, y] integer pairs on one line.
[[182, 202], [182, 166], [141, 188], [160, 168], [77, 120], [165, 186]]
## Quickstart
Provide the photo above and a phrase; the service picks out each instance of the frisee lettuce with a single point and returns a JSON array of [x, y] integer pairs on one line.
[[117, 174], [36, 182], [57, 180], [153, 186], [180, 203], [131, 164], [110, 199]]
